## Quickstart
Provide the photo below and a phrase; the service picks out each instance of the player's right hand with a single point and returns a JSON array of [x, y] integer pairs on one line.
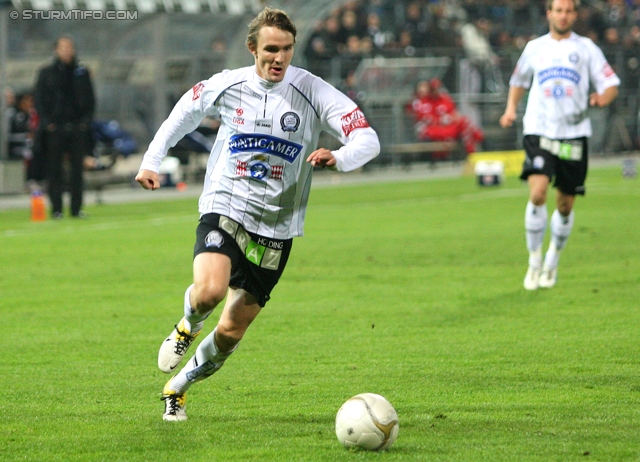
[[148, 179], [507, 119]]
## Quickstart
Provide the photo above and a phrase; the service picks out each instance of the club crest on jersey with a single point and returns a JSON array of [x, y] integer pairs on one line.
[[260, 143], [214, 239], [573, 57], [197, 91], [355, 119], [259, 169], [558, 92], [289, 122]]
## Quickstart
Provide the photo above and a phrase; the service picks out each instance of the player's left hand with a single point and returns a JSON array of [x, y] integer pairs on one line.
[[597, 100], [322, 158]]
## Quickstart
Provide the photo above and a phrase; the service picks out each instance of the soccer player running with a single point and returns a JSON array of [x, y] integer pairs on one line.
[[255, 192], [557, 68]]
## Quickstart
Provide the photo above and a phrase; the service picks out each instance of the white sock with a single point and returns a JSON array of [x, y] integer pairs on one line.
[[535, 225], [193, 321], [560, 230], [535, 258], [207, 360]]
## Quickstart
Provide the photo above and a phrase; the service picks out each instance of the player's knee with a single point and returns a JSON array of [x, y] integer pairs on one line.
[[207, 296], [564, 209], [538, 197], [229, 335]]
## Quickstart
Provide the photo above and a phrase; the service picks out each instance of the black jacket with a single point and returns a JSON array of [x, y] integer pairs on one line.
[[64, 94]]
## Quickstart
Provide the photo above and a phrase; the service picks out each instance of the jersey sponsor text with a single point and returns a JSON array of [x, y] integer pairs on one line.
[[197, 90], [559, 73], [355, 119], [266, 144]]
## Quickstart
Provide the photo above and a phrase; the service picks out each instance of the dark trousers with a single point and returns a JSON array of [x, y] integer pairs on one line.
[[66, 141]]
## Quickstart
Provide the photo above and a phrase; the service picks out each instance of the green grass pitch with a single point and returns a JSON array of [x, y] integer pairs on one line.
[[411, 290]]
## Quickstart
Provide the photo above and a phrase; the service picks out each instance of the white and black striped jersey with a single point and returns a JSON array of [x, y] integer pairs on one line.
[[257, 172], [558, 73]]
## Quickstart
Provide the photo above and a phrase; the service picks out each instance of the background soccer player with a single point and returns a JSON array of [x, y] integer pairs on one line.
[[256, 188], [558, 69]]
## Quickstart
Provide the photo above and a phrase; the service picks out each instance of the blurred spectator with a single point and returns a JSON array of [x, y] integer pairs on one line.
[[403, 47], [355, 49], [523, 17], [475, 41], [22, 127], [349, 27], [612, 47], [597, 25], [349, 88], [615, 13], [631, 53], [379, 38], [634, 12], [631, 39], [24, 124], [353, 45], [438, 33], [611, 39], [320, 51], [384, 9], [215, 59], [582, 26], [475, 9], [437, 119], [9, 108], [480, 70], [498, 11], [448, 12], [331, 33], [10, 105], [415, 24]]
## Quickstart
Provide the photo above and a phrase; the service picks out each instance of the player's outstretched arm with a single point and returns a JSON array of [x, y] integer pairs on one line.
[[148, 179]]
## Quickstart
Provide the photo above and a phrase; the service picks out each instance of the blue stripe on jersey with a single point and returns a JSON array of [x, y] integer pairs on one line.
[[308, 100], [265, 144]]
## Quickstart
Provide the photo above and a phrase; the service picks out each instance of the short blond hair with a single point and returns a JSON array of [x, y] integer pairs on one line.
[[270, 17]]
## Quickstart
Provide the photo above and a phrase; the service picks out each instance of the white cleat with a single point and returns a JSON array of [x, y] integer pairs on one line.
[[175, 404], [174, 348], [531, 280], [548, 277]]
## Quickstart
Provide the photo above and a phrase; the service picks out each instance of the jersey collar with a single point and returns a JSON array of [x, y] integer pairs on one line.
[[265, 85]]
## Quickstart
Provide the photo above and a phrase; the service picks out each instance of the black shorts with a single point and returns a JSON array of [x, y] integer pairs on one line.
[[257, 262], [569, 173]]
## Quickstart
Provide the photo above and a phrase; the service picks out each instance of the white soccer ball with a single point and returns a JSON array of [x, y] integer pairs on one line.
[[367, 421]]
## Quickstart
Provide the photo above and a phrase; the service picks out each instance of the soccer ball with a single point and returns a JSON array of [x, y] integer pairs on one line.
[[367, 421]]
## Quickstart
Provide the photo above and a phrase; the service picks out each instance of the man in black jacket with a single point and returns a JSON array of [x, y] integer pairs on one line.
[[65, 103]]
